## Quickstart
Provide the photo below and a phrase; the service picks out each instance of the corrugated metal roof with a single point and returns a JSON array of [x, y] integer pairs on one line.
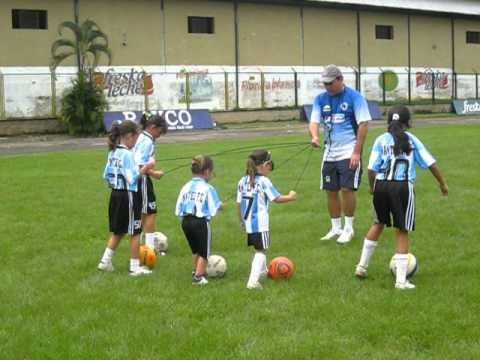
[[464, 7]]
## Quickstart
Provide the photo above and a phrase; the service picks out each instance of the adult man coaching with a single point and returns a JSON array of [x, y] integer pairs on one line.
[[344, 114]]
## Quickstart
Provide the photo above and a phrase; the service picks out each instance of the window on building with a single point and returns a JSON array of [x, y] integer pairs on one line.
[[200, 25], [384, 32], [29, 19], [473, 37]]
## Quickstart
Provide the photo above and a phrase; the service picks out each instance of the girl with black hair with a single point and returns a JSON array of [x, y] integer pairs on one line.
[[153, 127], [254, 193], [391, 175], [124, 212]]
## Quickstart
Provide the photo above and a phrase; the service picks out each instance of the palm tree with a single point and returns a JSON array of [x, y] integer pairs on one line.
[[88, 45]]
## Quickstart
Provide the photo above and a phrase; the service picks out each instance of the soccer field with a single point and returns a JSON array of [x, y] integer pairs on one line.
[[56, 305]]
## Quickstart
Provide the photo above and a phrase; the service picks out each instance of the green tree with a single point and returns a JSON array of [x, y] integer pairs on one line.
[[89, 43], [84, 103]]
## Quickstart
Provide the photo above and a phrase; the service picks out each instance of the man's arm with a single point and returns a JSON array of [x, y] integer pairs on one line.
[[313, 128], [357, 151]]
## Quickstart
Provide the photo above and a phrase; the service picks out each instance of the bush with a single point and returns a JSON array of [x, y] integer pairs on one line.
[[83, 106]]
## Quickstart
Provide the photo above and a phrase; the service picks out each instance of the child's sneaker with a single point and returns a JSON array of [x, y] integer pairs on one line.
[[407, 285], [256, 285], [331, 234], [345, 237], [141, 271], [360, 272], [199, 280], [105, 267]]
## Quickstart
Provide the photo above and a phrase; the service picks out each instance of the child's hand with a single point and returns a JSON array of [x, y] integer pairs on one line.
[[444, 189], [370, 190], [222, 206], [292, 195], [156, 174], [150, 164]]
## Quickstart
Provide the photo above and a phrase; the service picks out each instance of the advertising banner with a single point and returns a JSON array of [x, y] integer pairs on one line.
[[467, 107], [176, 119]]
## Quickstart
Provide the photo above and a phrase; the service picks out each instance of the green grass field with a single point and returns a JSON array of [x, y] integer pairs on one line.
[[56, 305]]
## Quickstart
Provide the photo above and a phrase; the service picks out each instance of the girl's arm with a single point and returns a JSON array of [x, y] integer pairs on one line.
[[156, 174], [292, 195], [435, 170], [147, 167], [239, 215], [371, 180]]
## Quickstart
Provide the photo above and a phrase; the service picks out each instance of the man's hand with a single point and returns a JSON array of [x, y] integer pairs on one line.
[[315, 142], [354, 160]]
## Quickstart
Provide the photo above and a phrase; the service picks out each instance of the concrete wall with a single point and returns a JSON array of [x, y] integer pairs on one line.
[[28, 47], [269, 35], [382, 52], [431, 39], [134, 32], [142, 34], [330, 37], [467, 56], [183, 48]]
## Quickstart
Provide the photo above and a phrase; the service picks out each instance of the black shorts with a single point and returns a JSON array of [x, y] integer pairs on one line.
[[259, 240], [199, 235], [149, 201], [337, 175], [394, 199], [125, 212]]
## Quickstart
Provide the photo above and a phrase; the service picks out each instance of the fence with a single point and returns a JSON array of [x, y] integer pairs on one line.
[[27, 94]]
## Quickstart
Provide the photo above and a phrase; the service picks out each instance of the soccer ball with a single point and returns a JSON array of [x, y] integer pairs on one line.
[[147, 256], [281, 267], [160, 243], [217, 266], [412, 266]]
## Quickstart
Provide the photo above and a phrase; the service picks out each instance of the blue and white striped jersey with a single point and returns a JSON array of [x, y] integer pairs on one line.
[[402, 167], [254, 202], [144, 149], [121, 171], [340, 116], [198, 198]]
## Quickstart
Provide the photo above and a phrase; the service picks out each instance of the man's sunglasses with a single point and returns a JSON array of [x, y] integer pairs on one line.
[[328, 83]]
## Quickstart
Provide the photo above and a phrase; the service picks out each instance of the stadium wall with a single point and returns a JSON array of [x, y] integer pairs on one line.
[[261, 55]]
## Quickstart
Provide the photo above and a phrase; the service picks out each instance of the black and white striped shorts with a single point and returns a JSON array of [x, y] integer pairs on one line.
[[259, 240], [394, 199], [147, 192], [125, 212]]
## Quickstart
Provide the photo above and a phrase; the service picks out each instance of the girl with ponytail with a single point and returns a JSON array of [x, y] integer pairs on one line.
[[121, 174], [254, 193], [391, 175], [153, 127], [197, 203]]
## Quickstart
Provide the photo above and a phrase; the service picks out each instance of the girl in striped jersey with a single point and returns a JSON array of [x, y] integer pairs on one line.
[[121, 174], [254, 193], [391, 175], [153, 127], [197, 203]]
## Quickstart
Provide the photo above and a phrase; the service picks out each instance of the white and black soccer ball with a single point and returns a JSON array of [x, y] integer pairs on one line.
[[412, 266], [160, 242], [217, 266]]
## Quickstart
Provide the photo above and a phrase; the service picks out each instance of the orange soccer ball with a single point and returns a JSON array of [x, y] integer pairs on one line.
[[147, 256], [281, 267]]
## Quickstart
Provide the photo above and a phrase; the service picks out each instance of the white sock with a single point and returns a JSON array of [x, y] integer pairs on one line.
[[367, 252], [134, 265], [150, 240], [258, 263], [107, 256], [348, 223], [336, 223], [401, 263]]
